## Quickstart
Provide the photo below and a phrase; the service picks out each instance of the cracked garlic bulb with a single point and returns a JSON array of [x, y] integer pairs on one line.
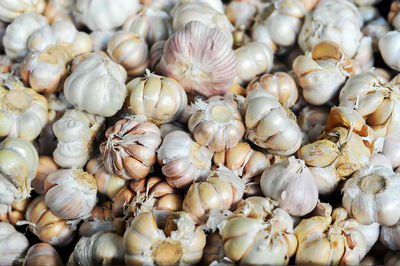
[[97, 85], [11, 9], [42, 254], [389, 49], [13, 245]]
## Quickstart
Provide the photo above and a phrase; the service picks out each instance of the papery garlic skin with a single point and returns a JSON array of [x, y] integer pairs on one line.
[[200, 59], [101, 39], [13, 244], [97, 85], [389, 49], [183, 160], [42, 254], [364, 59], [15, 39], [270, 125], [11, 9], [391, 147], [75, 132], [19, 163], [156, 52], [103, 15], [312, 120], [241, 13], [292, 185]]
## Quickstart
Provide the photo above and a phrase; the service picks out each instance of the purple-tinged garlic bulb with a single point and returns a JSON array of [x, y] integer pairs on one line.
[[200, 59]]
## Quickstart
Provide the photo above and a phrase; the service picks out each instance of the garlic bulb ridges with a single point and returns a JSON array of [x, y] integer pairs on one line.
[[11, 9], [42, 254]]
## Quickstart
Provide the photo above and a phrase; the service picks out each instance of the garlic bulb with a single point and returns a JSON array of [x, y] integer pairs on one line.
[[216, 123], [370, 196], [70, 193], [46, 166], [11, 9], [15, 39], [241, 13], [156, 52], [280, 84], [391, 149], [46, 225], [378, 159], [75, 132], [271, 125], [181, 242], [42, 254], [104, 15], [18, 166], [390, 236], [129, 150], [200, 59], [14, 213], [130, 50], [100, 248], [253, 59], [312, 120], [376, 29], [332, 20], [58, 10], [169, 104], [101, 39], [13, 244], [322, 73], [389, 49], [97, 85], [292, 185], [393, 16], [364, 59], [23, 112], [165, 5], [183, 160]]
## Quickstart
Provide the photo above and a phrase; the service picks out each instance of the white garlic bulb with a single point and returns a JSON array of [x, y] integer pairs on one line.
[[376, 29], [75, 133], [390, 49], [379, 159], [15, 39], [59, 10], [42, 254], [391, 149], [101, 39], [390, 236], [97, 85], [10, 9], [393, 16], [13, 245], [241, 13]]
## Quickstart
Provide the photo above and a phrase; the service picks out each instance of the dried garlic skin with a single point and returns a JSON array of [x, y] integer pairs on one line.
[[13, 245], [57, 10], [97, 85], [181, 242], [14, 214], [364, 59], [11, 9], [18, 166], [389, 49], [393, 16], [102, 15], [183, 160], [312, 120], [42, 254]]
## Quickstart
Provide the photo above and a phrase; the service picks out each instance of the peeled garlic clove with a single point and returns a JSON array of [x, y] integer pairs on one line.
[[13, 244], [42, 254]]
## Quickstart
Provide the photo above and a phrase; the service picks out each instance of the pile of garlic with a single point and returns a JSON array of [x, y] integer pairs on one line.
[[207, 132]]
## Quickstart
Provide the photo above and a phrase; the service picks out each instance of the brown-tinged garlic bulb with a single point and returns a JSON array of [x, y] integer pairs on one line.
[[11, 9], [393, 16], [332, 20], [322, 73], [23, 112], [241, 13], [57, 10], [130, 50], [46, 166], [389, 49], [70, 193], [183, 160], [14, 213], [18, 166], [200, 59], [102, 15], [13, 245], [312, 120], [370, 195], [253, 58], [216, 123], [46, 225], [169, 104], [280, 84], [391, 148], [97, 85], [42, 254], [15, 39], [129, 149], [181, 242], [292, 185], [270, 124], [213, 251], [75, 132], [376, 29]]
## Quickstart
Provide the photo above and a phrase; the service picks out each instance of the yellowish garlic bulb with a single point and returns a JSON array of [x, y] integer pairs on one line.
[[18, 166], [200, 58], [75, 132], [183, 160], [97, 85], [13, 244], [393, 16], [271, 125], [14, 213], [169, 104], [181, 242], [241, 13], [312, 120], [11, 9], [46, 166], [391, 148], [57, 10], [389, 49], [15, 39], [42, 254]]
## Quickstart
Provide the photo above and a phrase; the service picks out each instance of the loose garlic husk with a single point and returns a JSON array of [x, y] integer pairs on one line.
[[46, 166], [130, 50], [13, 245], [200, 59], [393, 16], [271, 125], [183, 160], [167, 107], [14, 213], [280, 84], [312, 120], [42, 254], [322, 73], [216, 123], [292, 185], [57, 10], [75, 132], [389, 49], [11, 9], [241, 13], [391, 148], [15, 39], [70, 193], [101, 248], [370, 196], [46, 225], [332, 20], [18, 166], [129, 149], [102, 15], [181, 242]]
